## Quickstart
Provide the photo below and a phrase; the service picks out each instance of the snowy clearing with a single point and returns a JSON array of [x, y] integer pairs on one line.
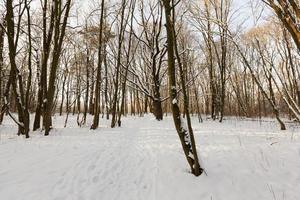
[[244, 160]]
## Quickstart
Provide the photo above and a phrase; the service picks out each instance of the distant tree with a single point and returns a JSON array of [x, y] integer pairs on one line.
[[151, 74]]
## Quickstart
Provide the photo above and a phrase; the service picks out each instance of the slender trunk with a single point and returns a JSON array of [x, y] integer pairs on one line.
[[86, 100], [63, 93], [116, 84], [59, 33], [127, 66], [106, 85], [67, 101], [274, 107], [1, 72], [91, 102], [97, 89], [186, 137], [15, 75]]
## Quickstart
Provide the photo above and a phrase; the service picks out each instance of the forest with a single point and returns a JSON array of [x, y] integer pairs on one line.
[[192, 86]]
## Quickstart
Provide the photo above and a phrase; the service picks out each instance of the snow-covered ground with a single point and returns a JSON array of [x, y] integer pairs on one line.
[[244, 160]]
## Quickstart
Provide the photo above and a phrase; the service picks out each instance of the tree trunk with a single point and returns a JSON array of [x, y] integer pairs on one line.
[[97, 89], [1, 71], [59, 33], [186, 138], [116, 85]]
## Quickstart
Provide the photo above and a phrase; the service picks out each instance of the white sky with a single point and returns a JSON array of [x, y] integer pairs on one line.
[[242, 7], [244, 12]]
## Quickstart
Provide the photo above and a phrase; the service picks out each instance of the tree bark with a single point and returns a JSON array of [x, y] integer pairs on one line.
[[59, 33], [97, 89], [186, 138], [116, 83]]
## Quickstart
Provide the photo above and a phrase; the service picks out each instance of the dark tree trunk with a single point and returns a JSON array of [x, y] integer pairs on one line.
[[186, 137], [116, 83], [59, 33], [157, 109], [1, 72], [122, 111], [97, 89], [15, 76], [63, 91], [86, 100]]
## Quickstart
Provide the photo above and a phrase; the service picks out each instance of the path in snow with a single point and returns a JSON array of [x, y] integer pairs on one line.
[[143, 160]]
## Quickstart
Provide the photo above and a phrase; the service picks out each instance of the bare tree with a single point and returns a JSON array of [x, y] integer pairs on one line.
[[2, 33], [186, 136], [60, 23], [97, 86], [123, 22], [288, 12]]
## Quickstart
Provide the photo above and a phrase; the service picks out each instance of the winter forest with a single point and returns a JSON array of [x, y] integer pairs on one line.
[[149, 99]]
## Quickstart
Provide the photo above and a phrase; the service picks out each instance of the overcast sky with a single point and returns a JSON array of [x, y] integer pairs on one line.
[[246, 10]]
